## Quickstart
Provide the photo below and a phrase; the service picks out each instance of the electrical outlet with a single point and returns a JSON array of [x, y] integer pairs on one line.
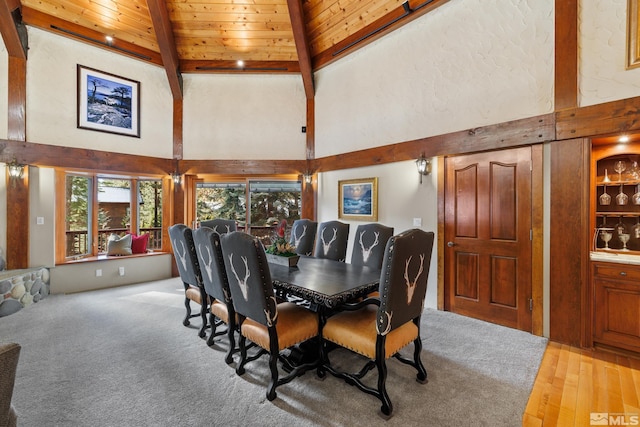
[[417, 222], [40, 220], [121, 271], [99, 272]]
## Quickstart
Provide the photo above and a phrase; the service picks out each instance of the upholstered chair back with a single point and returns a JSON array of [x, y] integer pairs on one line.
[[303, 236], [9, 355], [403, 280], [185, 253], [214, 274], [219, 225], [369, 244], [249, 277], [331, 240]]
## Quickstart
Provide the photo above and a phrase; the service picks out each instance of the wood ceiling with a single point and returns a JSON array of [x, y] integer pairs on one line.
[[209, 36]]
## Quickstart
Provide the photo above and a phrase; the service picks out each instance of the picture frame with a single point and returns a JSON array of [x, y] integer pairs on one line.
[[358, 199], [633, 34], [108, 103]]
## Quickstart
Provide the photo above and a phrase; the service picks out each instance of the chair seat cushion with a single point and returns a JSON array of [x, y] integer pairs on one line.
[[193, 294], [219, 309], [295, 324], [356, 330]]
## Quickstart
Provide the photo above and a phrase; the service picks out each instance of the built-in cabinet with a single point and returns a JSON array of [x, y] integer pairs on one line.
[[615, 251]]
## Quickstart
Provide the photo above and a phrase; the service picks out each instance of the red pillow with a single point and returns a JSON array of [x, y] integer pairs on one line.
[[139, 243]]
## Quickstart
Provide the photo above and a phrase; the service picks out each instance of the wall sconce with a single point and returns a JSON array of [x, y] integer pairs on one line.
[[308, 177], [16, 170], [424, 166], [176, 177]]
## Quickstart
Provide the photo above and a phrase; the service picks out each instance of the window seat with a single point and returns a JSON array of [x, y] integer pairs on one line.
[[102, 271]]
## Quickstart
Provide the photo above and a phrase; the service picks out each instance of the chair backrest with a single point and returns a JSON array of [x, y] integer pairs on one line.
[[9, 355], [331, 240], [403, 280], [303, 235], [219, 225], [249, 277], [369, 244], [184, 251], [214, 274]]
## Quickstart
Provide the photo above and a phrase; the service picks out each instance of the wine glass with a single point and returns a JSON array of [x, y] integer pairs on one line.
[[619, 167], [606, 237], [636, 229], [624, 238], [634, 172], [605, 198], [636, 197], [622, 198]]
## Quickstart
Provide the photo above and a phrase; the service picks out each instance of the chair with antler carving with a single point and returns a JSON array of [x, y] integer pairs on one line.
[[370, 242], [303, 236], [331, 240], [379, 328], [220, 225], [186, 258], [271, 326], [216, 284]]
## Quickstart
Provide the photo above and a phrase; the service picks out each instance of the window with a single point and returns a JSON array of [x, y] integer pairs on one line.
[[97, 206], [269, 201]]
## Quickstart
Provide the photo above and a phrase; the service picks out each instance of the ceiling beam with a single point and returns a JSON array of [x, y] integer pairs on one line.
[[164, 34], [302, 46], [13, 30]]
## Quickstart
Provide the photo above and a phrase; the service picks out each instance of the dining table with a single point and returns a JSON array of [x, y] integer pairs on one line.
[[324, 283]]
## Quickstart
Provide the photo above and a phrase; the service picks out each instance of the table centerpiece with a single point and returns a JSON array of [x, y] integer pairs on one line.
[[280, 251]]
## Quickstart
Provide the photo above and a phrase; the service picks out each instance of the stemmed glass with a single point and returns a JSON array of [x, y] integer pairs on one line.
[[622, 198], [636, 229], [636, 197], [624, 238], [606, 237], [619, 167], [605, 198]]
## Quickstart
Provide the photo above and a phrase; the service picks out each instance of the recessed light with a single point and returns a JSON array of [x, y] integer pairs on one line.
[[109, 39], [240, 63], [623, 138]]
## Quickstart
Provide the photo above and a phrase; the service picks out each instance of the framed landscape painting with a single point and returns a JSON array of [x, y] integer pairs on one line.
[[108, 103], [358, 199]]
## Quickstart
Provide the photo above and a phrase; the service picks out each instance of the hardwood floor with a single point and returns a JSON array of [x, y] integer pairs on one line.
[[573, 383]]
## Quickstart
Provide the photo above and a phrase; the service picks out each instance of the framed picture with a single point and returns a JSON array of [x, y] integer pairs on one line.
[[358, 199], [633, 34], [108, 103]]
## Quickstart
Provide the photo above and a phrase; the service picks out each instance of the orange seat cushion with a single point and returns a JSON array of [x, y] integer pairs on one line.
[[295, 324], [219, 309], [356, 330], [193, 294]]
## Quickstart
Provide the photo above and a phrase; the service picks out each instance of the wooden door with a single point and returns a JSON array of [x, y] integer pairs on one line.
[[487, 232]]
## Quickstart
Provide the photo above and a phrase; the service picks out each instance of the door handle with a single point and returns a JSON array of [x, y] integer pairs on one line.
[[451, 244]]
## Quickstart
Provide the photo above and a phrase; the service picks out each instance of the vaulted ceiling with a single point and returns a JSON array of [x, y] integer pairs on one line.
[[211, 36]]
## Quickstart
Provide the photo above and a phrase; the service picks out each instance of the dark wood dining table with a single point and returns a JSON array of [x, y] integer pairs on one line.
[[324, 283]]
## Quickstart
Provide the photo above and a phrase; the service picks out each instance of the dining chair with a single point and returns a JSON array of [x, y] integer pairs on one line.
[[379, 328], [370, 242], [271, 326], [9, 355], [220, 225], [216, 285], [186, 259], [303, 236], [331, 240]]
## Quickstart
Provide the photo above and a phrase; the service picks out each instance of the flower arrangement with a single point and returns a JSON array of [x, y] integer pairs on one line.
[[280, 246]]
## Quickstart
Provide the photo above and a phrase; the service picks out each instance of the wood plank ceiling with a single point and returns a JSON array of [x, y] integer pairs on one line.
[[209, 36]]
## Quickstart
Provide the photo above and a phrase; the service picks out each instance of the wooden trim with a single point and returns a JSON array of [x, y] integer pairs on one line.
[[243, 167], [14, 41], [60, 214], [443, 299], [566, 54], [168, 201], [231, 67], [609, 118], [178, 117], [537, 249], [17, 99], [17, 252]]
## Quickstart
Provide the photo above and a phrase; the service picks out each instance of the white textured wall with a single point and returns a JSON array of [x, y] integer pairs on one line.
[[52, 97], [42, 203], [244, 117], [4, 84], [467, 64], [603, 75], [401, 198]]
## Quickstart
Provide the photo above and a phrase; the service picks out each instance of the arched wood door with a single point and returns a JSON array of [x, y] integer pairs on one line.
[[488, 236]]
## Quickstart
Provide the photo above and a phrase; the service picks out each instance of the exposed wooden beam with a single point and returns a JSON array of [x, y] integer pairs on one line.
[[17, 222], [178, 112], [13, 30], [566, 54], [85, 35], [17, 99], [243, 167], [251, 67], [298, 26], [166, 42]]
